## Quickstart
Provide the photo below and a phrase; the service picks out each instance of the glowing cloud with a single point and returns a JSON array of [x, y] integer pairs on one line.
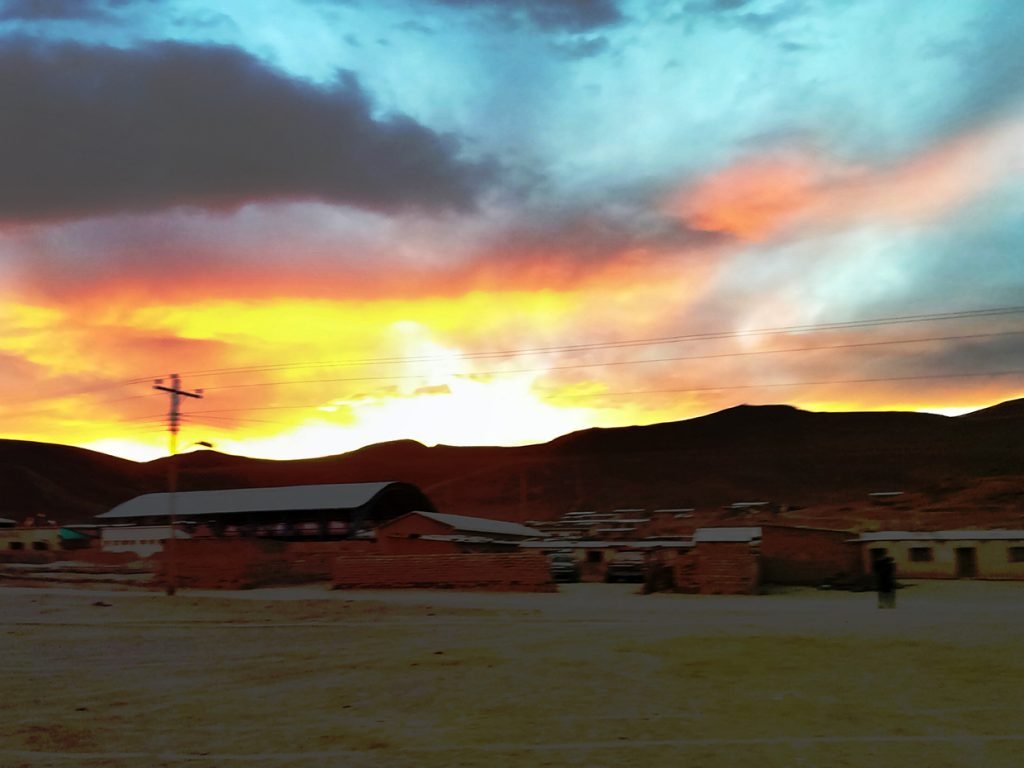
[[784, 194]]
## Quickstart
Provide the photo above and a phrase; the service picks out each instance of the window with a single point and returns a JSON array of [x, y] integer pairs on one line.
[[1015, 554], [594, 556], [921, 554], [40, 545], [16, 545]]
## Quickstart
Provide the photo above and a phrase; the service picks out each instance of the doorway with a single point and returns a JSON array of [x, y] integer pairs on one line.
[[966, 562]]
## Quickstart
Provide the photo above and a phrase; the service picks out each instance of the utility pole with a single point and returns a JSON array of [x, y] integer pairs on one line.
[[173, 424]]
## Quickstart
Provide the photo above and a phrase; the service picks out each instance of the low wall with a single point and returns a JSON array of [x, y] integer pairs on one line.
[[519, 572], [97, 556], [248, 563], [32, 556]]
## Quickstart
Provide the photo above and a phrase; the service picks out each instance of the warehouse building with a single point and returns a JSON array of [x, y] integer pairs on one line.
[[291, 513]]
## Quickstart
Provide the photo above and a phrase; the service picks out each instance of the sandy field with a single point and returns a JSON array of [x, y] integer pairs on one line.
[[594, 675]]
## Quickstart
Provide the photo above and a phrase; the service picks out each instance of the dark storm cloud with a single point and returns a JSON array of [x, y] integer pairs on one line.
[[92, 130], [980, 355], [553, 15], [582, 47], [587, 236], [58, 10], [739, 12]]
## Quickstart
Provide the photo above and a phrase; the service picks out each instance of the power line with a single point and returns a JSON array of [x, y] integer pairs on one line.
[[616, 363], [625, 343], [973, 374], [567, 348]]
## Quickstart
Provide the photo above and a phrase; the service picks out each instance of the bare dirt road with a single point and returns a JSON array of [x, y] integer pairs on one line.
[[591, 676]]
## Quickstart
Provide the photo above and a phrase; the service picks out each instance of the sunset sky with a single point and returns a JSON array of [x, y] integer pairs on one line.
[[494, 222]]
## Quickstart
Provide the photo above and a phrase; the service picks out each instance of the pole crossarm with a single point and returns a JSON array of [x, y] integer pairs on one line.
[[176, 393], [173, 422]]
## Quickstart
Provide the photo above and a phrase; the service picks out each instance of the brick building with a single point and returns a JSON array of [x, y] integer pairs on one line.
[[807, 556], [740, 559], [722, 561]]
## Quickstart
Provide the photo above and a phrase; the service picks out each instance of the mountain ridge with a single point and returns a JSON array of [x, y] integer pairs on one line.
[[822, 460]]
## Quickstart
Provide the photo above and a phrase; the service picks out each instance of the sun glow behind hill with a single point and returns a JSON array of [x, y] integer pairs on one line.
[[288, 378], [468, 369]]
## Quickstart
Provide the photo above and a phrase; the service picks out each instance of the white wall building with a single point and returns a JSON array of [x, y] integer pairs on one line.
[[964, 554], [143, 540]]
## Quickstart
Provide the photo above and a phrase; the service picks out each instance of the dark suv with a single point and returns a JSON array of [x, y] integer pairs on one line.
[[564, 567]]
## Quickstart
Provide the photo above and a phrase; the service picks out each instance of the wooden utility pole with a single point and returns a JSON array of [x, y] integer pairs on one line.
[[173, 425]]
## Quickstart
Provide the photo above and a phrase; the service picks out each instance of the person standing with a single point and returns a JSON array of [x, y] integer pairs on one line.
[[885, 581]]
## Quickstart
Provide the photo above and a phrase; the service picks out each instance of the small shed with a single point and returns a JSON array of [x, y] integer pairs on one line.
[[723, 561]]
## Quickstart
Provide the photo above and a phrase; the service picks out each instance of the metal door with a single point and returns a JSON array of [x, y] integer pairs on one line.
[[966, 562]]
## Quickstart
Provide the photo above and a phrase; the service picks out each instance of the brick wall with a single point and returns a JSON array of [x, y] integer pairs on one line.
[[520, 572], [248, 563], [314, 560], [719, 568]]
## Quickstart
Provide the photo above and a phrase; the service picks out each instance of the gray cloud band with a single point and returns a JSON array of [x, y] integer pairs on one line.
[[550, 15], [93, 130]]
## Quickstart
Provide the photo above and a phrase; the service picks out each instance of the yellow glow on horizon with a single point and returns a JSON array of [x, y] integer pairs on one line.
[[952, 410], [126, 449], [886, 403], [293, 378]]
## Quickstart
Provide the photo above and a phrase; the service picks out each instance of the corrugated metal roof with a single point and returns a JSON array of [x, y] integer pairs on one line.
[[482, 524], [737, 533], [962, 535], [283, 499], [458, 538], [606, 544]]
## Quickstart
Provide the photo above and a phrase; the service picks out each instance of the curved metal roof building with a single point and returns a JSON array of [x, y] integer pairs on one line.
[[358, 504]]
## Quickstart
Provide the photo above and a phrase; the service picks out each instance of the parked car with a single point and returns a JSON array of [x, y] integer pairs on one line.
[[626, 566], [564, 567]]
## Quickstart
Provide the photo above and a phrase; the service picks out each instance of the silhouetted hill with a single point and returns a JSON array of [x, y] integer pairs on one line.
[[973, 464], [62, 482], [1011, 409]]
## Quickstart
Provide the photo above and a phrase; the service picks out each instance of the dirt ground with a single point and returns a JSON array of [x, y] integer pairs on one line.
[[594, 675]]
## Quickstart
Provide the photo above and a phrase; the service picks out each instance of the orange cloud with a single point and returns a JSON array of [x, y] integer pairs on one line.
[[781, 194], [751, 199]]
